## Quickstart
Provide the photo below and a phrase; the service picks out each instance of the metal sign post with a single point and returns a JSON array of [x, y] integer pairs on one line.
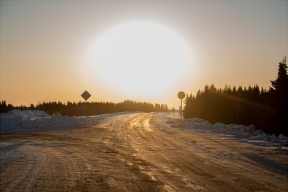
[[181, 96], [86, 96]]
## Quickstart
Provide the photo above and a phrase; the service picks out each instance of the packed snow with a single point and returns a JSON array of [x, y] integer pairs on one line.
[[28, 120]]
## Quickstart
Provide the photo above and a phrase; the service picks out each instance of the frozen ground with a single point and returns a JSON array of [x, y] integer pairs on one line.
[[139, 152]]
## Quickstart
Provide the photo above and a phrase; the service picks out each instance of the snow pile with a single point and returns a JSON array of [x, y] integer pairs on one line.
[[197, 123], [206, 125], [219, 127], [27, 120], [240, 131], [237, 130], [15, 117], [16, 121], [28, 114]]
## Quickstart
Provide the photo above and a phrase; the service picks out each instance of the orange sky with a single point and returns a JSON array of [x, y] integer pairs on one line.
[[44, 46]]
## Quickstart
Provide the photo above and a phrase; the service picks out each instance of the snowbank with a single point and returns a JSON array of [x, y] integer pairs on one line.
[[240, 131], [28, 114], [27, 120]]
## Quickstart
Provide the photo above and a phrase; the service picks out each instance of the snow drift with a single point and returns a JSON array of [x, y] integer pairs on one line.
[[27, 120], [240, 131]]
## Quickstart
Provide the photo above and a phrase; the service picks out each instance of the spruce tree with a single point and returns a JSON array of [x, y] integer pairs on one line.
[[279, 85], [278, 101]]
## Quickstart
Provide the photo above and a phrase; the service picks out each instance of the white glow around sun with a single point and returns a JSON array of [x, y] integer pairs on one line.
[[140, 58]]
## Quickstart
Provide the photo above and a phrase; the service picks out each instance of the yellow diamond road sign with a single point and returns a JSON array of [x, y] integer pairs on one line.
[[86, 95]]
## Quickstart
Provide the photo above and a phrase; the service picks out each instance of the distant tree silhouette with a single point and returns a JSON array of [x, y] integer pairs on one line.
[[2, 106], [95, 108], [225, 105], [157, 107]]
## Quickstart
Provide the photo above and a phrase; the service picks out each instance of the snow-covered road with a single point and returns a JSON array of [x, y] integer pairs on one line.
[[138, 152]]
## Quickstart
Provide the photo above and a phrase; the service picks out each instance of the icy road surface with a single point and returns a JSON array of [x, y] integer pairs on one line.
[[137, 152]]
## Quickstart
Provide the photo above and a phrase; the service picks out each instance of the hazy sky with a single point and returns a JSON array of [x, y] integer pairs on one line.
[[44, 46]]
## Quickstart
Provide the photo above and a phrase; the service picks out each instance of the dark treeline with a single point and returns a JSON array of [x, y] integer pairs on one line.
[[266, 109], [78, 109]]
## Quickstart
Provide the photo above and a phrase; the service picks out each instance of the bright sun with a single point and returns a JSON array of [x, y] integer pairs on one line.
[[140, 58]]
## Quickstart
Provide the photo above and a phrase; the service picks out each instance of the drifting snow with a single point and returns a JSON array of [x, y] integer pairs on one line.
[[27, 120]]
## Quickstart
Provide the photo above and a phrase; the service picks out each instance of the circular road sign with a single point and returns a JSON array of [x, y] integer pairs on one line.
[[181, 95]]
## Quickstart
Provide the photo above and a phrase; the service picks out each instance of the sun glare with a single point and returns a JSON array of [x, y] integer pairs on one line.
[[140, 58]]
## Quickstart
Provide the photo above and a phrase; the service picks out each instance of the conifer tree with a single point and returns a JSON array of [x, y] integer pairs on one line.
[[278, 101], [279, 85]]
